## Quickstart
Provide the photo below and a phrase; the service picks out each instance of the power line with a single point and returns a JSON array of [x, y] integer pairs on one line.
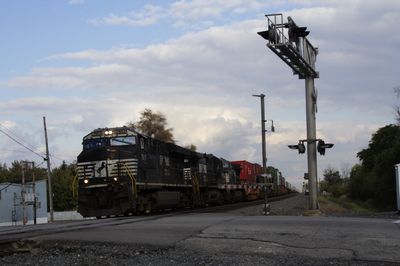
[[23, 145], [16, 136]]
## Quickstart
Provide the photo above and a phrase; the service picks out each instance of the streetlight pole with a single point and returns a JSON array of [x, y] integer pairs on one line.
[[264, 153]]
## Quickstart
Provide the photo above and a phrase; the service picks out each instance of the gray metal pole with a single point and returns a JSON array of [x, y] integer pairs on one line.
[[264, 153], [48, 172], [264, 156], [311, 142]]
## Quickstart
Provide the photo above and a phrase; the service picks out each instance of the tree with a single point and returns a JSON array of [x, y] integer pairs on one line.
[[13, 174], [153, 124], [333, 182], [332, 176], [62, 180], [374, 179], [397, 91], [191, 147]]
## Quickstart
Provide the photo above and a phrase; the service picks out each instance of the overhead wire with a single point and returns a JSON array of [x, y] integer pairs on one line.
[[16, 136], [23, 145], [10, 134]]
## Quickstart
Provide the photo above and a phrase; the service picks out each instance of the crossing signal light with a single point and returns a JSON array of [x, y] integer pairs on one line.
[[300, 147], [322, 146]]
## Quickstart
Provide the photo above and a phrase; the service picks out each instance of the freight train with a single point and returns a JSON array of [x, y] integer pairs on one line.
[[121, 172]]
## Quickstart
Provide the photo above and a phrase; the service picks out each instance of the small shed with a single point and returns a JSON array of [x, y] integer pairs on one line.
[[20, 205]]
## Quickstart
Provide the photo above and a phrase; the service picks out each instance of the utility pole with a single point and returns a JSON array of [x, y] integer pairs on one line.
[[23, 194], [48, 172], [34, 193], [288, 41]]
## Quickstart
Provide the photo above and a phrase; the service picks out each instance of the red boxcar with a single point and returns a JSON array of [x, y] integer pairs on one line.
[[248, 171], [257, 169]]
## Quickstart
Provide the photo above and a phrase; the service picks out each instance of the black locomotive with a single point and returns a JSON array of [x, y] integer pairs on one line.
[[121, 171]]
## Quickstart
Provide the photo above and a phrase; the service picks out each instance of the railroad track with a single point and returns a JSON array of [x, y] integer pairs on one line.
[[239, 205]]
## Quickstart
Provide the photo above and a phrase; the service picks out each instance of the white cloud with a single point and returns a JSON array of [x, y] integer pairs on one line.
[[76, 2], [200, 13], [149, 15]]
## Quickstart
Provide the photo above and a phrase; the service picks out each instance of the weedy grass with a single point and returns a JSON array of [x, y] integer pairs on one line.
[[330, 206]]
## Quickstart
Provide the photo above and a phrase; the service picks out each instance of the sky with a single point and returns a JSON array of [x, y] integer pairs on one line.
[[87, 64]]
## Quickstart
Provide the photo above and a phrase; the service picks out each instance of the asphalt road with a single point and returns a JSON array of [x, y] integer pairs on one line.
[[218, 239]]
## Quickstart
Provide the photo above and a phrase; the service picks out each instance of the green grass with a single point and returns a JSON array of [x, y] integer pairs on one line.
[[348, 204]]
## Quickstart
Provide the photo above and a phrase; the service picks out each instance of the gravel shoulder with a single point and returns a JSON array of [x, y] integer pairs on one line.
[[62, 253]]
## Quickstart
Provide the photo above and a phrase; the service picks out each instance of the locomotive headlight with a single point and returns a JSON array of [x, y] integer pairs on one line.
[[115, 179], [86, 181]]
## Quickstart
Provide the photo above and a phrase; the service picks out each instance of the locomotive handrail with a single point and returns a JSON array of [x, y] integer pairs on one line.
[[195, 183], [196, 189], [133, 179]]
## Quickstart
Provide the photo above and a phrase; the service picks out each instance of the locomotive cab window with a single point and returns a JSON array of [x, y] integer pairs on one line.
[[95, 143], [120, 141]]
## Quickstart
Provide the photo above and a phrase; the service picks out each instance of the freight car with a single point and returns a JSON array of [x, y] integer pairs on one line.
[[121, 171]]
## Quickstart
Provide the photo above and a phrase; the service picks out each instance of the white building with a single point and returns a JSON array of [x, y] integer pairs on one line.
[[16, 209]]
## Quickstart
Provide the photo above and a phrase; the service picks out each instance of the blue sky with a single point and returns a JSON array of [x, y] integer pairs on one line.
[[87, 64]]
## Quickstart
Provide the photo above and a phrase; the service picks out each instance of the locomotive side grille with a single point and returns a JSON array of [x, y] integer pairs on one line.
[[125, 166], [187, 175], [85, 170]]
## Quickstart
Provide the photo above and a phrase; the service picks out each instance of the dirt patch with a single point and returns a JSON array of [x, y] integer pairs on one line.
[[327, 207]]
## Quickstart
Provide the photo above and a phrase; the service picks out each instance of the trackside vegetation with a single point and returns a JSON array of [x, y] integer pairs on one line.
[[371, 183]]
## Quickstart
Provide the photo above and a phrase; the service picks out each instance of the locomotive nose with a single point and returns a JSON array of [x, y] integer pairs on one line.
[[101, 169]]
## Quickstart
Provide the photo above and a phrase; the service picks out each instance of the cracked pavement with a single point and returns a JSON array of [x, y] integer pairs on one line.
[[222, 239]]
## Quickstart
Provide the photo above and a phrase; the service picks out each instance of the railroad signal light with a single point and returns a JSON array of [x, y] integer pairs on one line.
[[322, 146], [295, 31], [270, 35]]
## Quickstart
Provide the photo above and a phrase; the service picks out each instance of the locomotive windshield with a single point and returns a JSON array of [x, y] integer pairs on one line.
[[105, 142]]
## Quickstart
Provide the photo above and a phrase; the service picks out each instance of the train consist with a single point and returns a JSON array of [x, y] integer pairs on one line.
[[121, 171]]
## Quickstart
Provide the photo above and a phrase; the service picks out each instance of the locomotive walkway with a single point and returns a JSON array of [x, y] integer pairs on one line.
[[230, 238]]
